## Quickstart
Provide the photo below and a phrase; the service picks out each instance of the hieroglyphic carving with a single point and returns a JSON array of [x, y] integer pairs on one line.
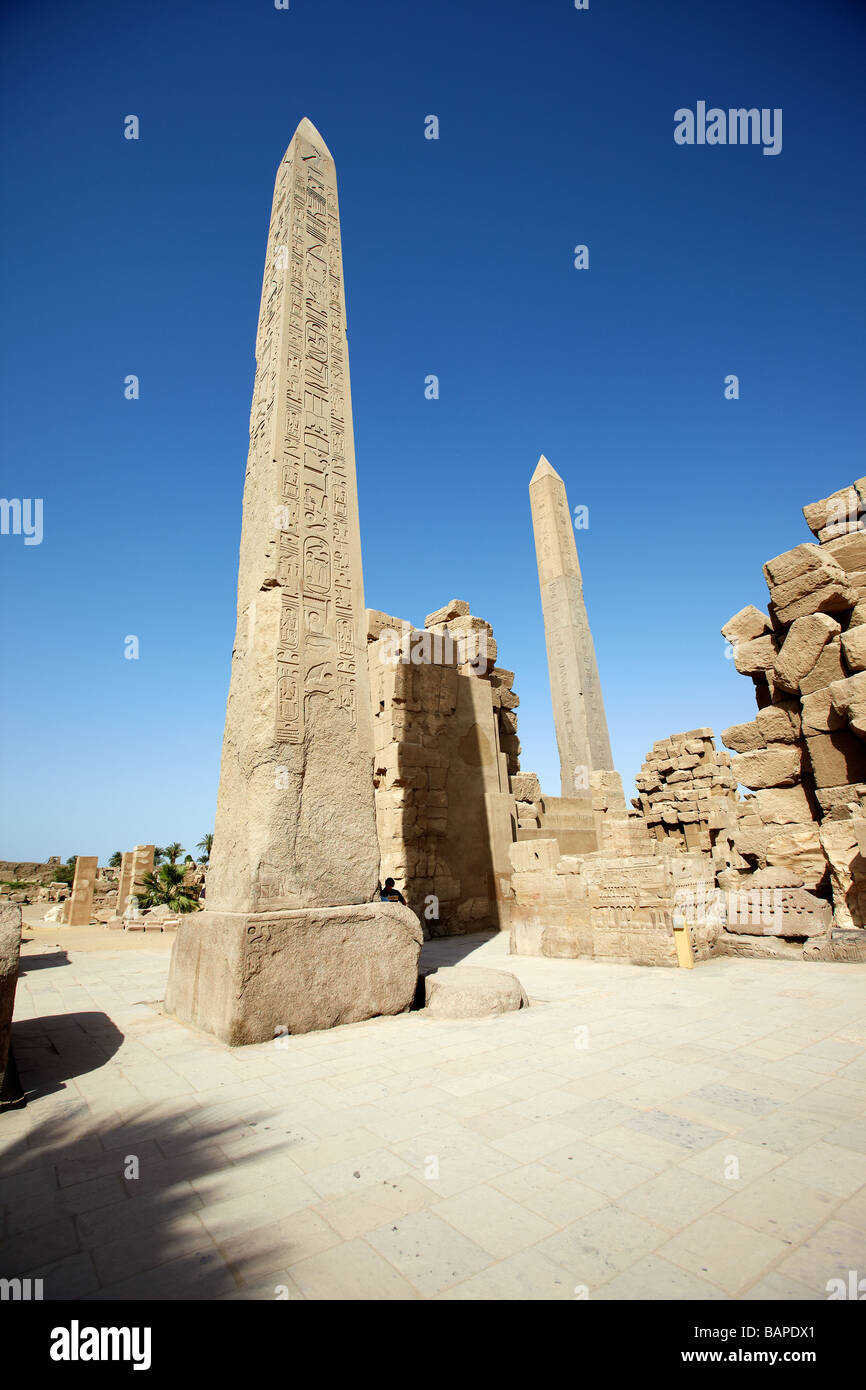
[[300, 354]]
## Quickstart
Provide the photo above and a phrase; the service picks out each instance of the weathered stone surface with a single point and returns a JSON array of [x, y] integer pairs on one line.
[[842, 801], [525, 786], [828, 668], [848, 697], [378, 622], [468, 992], [762, 906], [744, 626], [836, 758], [854, 647], [849, 551], [798, 850], [578, 708], [457, 608], [844, 843], [295, 823], [778, 765], [783, 805], [754, 657], [779, 723], [744, 738], [839, 511], [807, 580], [806, 639], [79, 907], [249, 977], [135, 865], [818, 715], [10, 945]]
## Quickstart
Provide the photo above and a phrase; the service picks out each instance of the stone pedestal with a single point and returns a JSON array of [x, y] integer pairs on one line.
[[250, 977]]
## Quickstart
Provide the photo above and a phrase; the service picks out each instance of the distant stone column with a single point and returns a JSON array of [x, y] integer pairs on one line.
[[134, 865], [79, 907], [295, 829], [578, 707]]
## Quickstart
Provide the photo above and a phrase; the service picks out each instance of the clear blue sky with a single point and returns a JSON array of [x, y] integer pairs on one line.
[[556, 129]]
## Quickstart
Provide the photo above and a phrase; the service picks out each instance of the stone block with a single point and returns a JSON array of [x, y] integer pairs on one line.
[[752, 658], [849, 551], [746, 625], [533, 856], [779, 723], [469, 992], [836, 758], [829, 667], [248, 977], [806, 639], [777, 765], [818, 715], [806, 580], [841, 508], [744, 738], [854, 647], [783, 806], [798, 848], [457, 608], [525, 786]]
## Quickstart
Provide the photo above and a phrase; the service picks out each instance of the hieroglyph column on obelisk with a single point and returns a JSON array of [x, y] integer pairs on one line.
[[578, 708], [295, 823]]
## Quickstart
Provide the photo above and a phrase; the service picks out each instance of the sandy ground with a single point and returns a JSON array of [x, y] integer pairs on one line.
[[39, 935]]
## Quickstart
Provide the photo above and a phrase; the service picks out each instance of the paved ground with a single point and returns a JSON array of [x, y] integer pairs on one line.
[[636, 1134]]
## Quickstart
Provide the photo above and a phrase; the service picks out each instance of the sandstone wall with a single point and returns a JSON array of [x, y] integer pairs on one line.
[[445, 815], [684, 780]]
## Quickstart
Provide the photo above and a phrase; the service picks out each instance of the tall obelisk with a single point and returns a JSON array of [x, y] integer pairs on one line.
[[290, 940], [295, 823], [578, 707]]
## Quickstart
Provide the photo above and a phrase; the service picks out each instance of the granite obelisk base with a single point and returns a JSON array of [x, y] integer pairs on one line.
[[250, 977]]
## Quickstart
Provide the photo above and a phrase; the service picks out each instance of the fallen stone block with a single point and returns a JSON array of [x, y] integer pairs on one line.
[[468, 992], [247, 978]]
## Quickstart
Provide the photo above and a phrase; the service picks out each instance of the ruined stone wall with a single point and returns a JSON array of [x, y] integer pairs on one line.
[[683, 781], [803, 756], [445, 816], [602, 906]]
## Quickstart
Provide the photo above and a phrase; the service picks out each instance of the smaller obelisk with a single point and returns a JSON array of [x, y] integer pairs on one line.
[[578, 707]]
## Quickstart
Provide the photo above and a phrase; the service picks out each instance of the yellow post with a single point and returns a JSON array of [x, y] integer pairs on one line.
[[682, 941]]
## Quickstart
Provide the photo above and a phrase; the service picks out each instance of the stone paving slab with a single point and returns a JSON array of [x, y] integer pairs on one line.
[[635, 1134]]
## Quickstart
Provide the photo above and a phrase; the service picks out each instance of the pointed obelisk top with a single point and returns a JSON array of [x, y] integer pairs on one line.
[[307, 131], [544, 470]]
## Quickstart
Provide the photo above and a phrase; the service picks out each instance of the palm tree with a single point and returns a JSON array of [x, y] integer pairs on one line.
[[205, 844], [116, 860], [166, 887], [173, 851]]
